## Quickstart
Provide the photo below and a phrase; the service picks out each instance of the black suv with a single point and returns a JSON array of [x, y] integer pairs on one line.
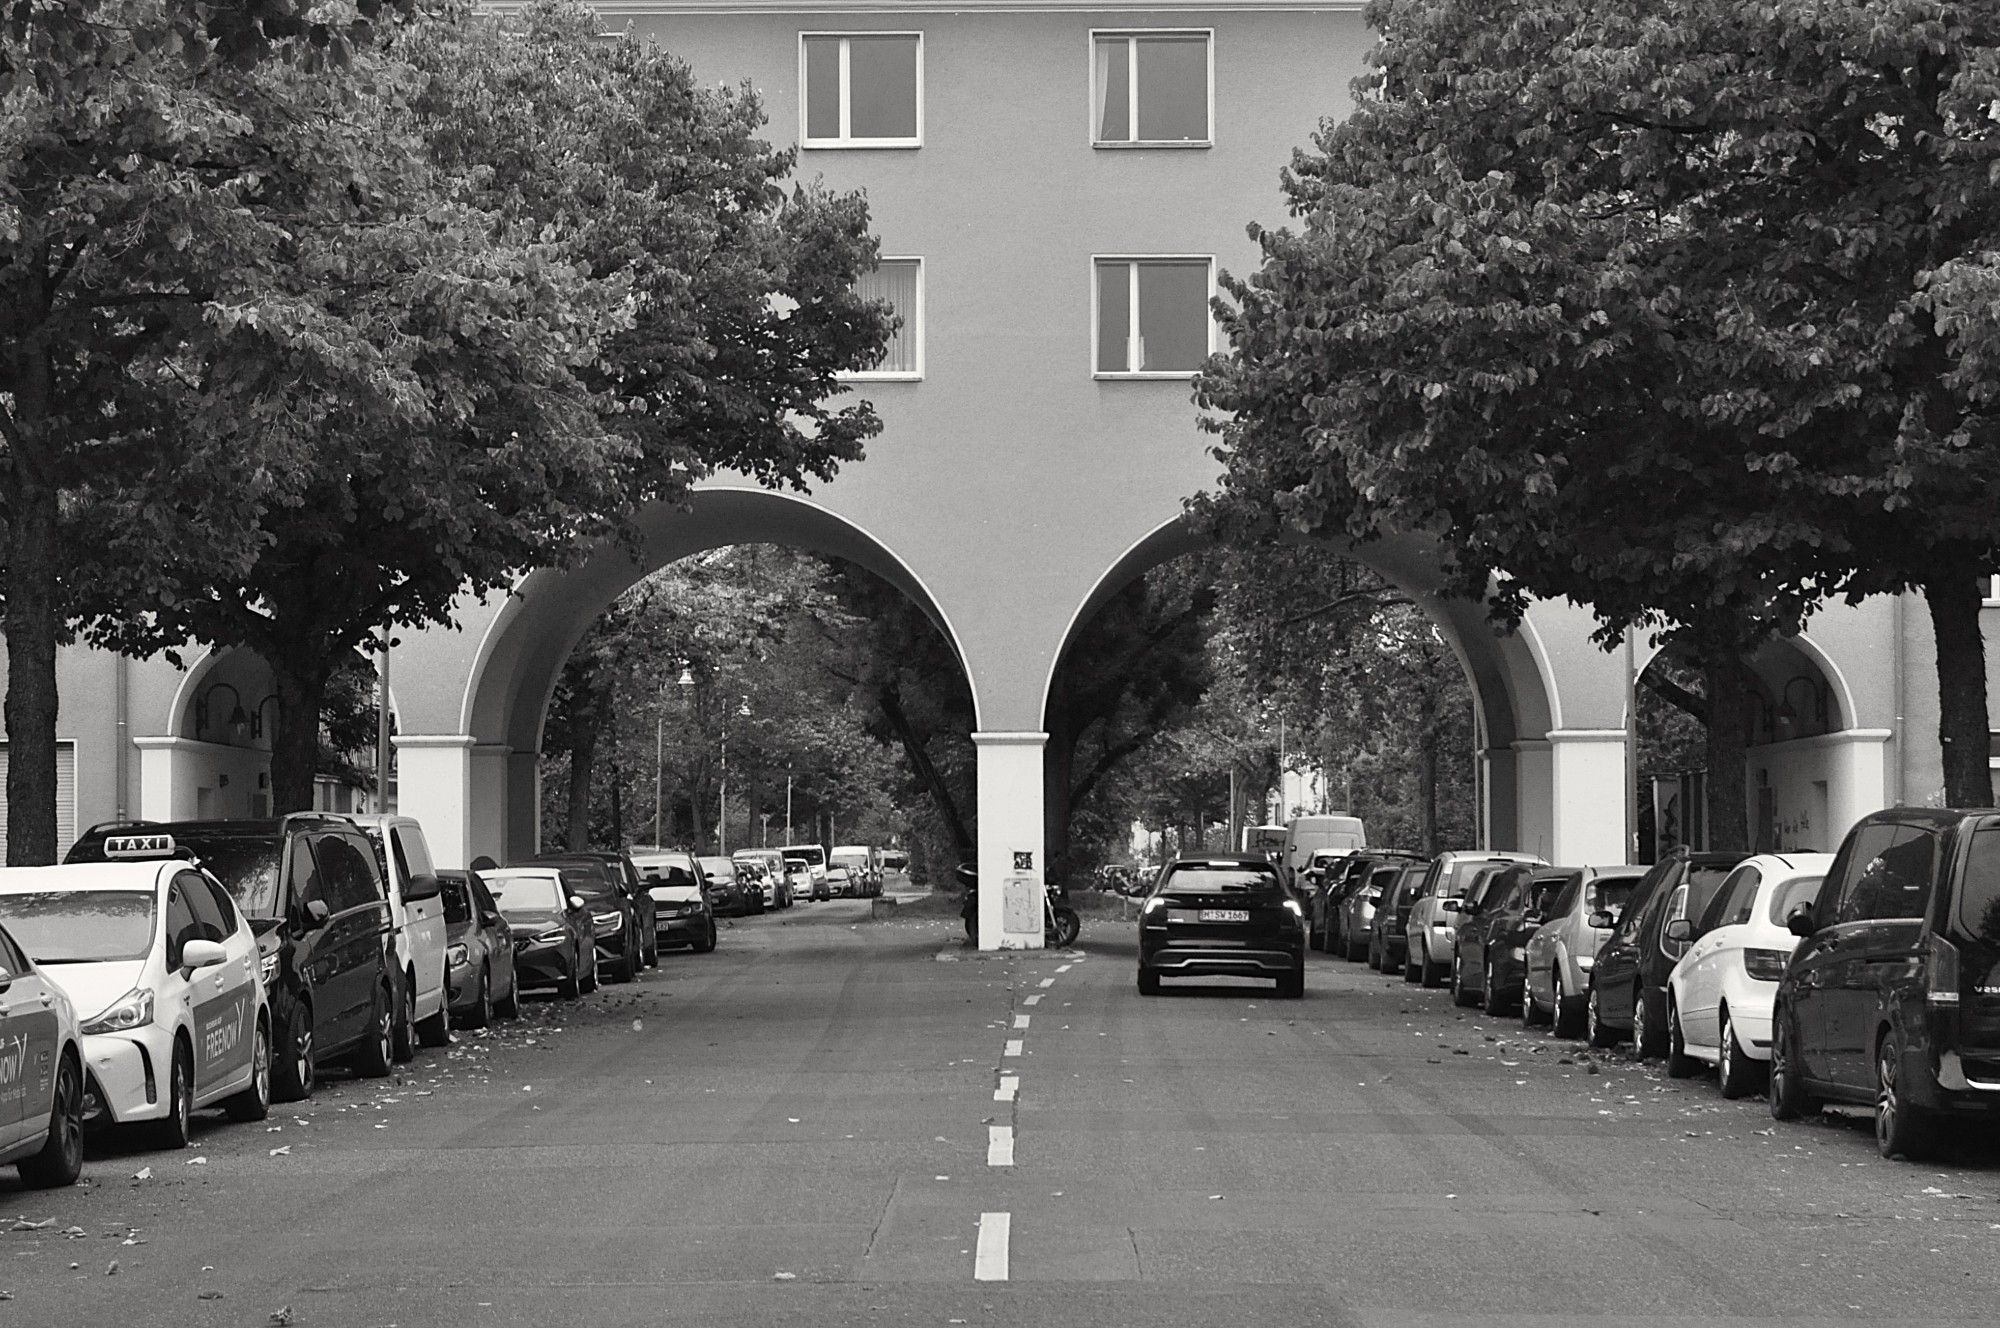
[[1893, 996], [614, 913], [313, 895], [1223, 916], [1490, 964], [1628, 984]]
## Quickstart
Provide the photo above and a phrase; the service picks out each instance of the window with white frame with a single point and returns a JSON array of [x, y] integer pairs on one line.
[[1152, 89], [861, 89], [1993, 590], [1152, 315], [899, 283]]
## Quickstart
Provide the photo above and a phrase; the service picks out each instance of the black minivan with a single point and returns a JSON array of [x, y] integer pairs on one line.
[[1893, 996]]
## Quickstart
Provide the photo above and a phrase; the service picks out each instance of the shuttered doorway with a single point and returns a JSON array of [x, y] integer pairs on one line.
[[65, 796]]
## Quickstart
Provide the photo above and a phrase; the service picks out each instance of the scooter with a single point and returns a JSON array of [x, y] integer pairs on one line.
[[1060, 923]]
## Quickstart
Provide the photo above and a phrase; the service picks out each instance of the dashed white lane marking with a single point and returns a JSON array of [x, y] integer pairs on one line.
[[989, 1261], [1013, 1047], [1035, 999], [1020, 1021], [1048, 982], [999, 1145], [1010, 1084], [1064, 968]]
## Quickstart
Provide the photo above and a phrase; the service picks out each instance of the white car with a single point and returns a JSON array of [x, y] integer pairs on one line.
[[164, 968], [41, 1074], [416, 910], [1720, 992]]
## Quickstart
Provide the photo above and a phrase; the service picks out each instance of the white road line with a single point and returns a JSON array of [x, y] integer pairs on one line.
[[1013, 1047], [989, 1261], [1064, 968], [1035, 999], [1010, 1085], [1020, 1021], [1048, 982], [999, 1145]]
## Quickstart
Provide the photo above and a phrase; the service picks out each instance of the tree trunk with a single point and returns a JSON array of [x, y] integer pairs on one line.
[[31, 624], [1728, 742], [1427, 789], [927, 772], [582, 763], [617, 799], [300, 686], [1963, 734]]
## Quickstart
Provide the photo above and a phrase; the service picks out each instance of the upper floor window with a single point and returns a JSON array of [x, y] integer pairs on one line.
[[861, 89], [899, 283], [1152, 316], [1992, 595], [1152, 89]]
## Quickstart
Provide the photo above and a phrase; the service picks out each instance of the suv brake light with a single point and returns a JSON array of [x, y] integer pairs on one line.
[[1765, 965], [1942, 985]]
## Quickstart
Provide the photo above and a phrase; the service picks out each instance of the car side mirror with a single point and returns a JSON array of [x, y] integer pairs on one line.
[[6, 979], [419, 888], [575, 903], [1799, 922], [1603, 920], [1680, 929], [313, 914], [1450, 906], [490, 917], [202, 954]]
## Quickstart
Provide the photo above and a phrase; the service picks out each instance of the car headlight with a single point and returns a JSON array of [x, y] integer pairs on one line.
[[1586, 962], [551, 938], [457, 956], [1518, 952], [606, 922], [132, 1010]]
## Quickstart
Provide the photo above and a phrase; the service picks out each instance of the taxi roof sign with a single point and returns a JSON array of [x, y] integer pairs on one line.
[[139, 846]]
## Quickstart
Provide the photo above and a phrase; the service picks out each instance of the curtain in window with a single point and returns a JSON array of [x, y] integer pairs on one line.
[[1109, 117], [895, 283]]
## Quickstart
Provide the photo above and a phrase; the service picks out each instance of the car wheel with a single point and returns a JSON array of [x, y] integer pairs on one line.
[[706, 945], [1412, 969], [1355, 950], [405, 1009], [1595, 1030], [1489, 993], [1788, 1096], [1149, 982], [61, 1160], [176, 1129], [1902, 1129], [589, 981], [1459, 994], [295, 1074], [1431, 972], [1564, 1017], [652, 952], [569, 986], [1645, 1038], [435, 1030], [1735, 1073], [481, 1013], [509, 1006], [376, 1056], [1680, 1065], [254, 1102], [1531, 1013], [1292, 987]]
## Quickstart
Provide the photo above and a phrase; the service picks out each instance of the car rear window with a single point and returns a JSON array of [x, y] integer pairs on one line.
[[1196, 879], [1790, 894], [246, 865], [1978, 903], [1609, 896]]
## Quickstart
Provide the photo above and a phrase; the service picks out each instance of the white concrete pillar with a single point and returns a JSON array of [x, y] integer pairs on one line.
[[166, 788], [1857, 779], [1011, 848], [489, 771], [1587, 773], [1534, 797], [434, 785], [523, 823], [1499, 805]]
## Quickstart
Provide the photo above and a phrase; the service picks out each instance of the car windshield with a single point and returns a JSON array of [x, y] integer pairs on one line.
[[722, 869], [1608, 896], [247, 867], [525, 894], [1790, 894], [81, 926], [1219, 878]]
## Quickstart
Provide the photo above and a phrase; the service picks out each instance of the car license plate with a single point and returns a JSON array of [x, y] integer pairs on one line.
[[1225, 915]]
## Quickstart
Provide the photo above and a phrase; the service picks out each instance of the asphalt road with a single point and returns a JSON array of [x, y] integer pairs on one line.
[[800, 1129]]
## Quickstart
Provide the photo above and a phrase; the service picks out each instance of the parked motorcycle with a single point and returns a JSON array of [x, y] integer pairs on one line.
[[1060, 923]]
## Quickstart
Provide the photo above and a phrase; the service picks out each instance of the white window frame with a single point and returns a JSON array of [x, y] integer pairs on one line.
[[1132, 315], [912, 319], [1132, 89], [1991, 599], [846, 140]]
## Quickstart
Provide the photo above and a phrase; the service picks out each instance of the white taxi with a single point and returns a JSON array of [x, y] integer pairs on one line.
[[162, 967], [41, 1074]]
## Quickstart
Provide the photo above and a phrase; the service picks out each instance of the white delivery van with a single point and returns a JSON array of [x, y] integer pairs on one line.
[[1304, 835]]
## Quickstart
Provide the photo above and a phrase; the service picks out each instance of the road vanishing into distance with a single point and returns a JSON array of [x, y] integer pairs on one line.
[[836, 1121]]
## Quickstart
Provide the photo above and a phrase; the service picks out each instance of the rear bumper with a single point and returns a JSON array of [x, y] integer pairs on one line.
[[1188, 960]]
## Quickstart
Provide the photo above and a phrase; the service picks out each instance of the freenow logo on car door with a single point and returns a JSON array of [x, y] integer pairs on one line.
[[222, 1028], [13, 1066]]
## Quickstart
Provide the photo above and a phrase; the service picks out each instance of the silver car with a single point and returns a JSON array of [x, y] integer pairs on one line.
[[1357, 911], [1432, 931], [1574, 927]]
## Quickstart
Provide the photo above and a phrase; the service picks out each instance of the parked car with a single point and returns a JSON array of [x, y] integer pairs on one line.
[[1429, 931], [478, 952], [44, 1138], [895, 860], [614, 916], [814, 858], [555, 941], [313, 891], [844, 883], [1388, 943], [1495, 922], [680, 892], [731, 893], [1361, 898], [1222, 916], [620, 865], [1327, 871], [864, 860], [1719, 994], [1893, 996], [1564, 948], [1627, 995], [799, 877], [770, 865], [417, 915], [159, 953]]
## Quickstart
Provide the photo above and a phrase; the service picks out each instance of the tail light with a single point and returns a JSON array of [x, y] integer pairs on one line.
[[1942, 988], [1765, 965]]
